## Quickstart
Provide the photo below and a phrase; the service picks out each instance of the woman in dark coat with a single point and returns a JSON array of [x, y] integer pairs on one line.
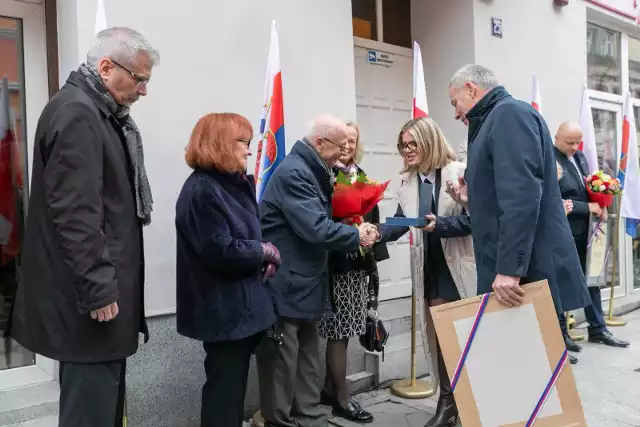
[[222, 262], [354, 289]]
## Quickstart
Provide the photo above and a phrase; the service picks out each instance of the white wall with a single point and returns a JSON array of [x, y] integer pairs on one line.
[[444, 30], [538, 38], [213, 59]]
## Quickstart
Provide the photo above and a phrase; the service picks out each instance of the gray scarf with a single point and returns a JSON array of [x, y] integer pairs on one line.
[[144, 200]]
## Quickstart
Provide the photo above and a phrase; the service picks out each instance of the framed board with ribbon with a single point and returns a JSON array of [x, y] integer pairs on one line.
[[508, 366]]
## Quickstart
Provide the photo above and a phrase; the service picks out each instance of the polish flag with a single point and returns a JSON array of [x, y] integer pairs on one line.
[[536, 100], [101, 18], [588, 143], [420, 108]]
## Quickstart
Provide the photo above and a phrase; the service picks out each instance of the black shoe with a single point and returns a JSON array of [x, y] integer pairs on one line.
[[573, 360], [571, 344], [353, 412], [605, 337]]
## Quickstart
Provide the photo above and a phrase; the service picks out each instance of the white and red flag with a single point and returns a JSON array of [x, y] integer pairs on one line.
[[420, 108], [588, 143]]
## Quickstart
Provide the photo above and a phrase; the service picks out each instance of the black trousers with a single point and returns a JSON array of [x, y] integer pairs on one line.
[[227, 369], [92, 394]]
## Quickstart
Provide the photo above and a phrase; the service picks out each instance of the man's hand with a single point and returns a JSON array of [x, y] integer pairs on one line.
[[431, 223], [105, 314], [598, 211], [508, 291], [568, 206], [368, 234], [458, 191]]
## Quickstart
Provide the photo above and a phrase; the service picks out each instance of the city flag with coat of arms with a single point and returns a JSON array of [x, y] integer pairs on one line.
[[271, 146], [629, 172]]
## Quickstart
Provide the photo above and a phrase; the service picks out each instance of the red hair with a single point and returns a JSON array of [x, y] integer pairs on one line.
[[213, 141]]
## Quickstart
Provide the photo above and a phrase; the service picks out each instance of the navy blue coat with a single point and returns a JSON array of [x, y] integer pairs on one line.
[[220, 294], [295, 213], [518, 222]]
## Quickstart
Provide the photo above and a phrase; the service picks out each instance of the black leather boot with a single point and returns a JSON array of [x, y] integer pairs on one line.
[[446, 412]]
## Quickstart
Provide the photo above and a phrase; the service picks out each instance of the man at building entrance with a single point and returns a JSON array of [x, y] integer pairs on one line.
[[518, 222], [81, 297], [572, 186]]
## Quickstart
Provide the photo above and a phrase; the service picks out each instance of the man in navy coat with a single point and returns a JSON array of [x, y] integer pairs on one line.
[[573, 166], [519, 227], [295, 215]]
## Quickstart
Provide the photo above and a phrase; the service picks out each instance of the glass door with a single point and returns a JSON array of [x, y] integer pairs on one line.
[[23, 68], [607, 123]]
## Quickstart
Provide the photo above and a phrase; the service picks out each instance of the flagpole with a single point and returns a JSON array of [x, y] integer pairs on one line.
[[610, 320]]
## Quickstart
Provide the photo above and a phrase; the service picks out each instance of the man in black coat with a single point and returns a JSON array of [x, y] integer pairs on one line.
[[81, 298], [520, 231], [295, 215], [573, 166]]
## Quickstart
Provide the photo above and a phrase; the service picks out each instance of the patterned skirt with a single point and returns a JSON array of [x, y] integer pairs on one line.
[[350, 294]]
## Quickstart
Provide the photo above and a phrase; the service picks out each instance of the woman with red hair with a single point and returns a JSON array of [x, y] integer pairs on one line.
[[222, 262]]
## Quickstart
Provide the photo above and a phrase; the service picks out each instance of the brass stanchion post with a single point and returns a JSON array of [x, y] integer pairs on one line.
[[571, 324], [412, 388], [611, 321]]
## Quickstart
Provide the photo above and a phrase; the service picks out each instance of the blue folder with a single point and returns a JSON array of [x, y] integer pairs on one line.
[[406, 222]]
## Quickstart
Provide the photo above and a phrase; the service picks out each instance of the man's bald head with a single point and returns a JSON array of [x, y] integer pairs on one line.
[[328, 136], [568, 138]]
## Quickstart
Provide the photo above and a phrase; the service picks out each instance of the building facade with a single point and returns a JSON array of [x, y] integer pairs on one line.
[[213, 59]]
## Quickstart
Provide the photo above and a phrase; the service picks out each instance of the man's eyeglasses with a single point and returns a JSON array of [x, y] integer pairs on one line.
[[343, 147], [139, 79], [409, 146]]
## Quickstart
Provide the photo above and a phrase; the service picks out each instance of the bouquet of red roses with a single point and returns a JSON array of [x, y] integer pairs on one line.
[[355, 195], [602, 188]]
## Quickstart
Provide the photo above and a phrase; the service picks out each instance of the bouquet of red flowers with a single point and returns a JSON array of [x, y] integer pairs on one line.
[[602, 188], [355, 195]]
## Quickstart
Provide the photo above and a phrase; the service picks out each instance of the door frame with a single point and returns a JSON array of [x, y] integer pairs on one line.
[[36, 92], [398, 288], [626, 282]]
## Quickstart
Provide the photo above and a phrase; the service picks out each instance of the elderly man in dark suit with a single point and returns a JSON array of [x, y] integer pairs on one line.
[[520, 231], [295, 214], [573, 165]]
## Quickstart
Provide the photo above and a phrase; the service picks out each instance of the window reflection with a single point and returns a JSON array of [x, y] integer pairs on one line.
[[605, 127], [363, 18], [12, 185], [603, 59]]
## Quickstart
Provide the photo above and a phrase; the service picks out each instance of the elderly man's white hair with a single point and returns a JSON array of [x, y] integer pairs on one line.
[[121, 44], [326, 125], [474, 73]]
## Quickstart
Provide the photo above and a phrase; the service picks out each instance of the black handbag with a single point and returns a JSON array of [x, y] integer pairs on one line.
[[375, 335]]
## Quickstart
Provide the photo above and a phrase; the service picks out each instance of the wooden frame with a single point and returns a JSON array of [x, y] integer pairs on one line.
[[51, 34], [538, 299]]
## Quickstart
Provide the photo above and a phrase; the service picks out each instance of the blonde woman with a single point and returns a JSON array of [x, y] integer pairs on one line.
[[449, 265], [354, 289]]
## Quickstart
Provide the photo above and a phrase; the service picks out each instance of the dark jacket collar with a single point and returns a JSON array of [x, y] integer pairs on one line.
[[318, 167], [78, 80], [478, 114]]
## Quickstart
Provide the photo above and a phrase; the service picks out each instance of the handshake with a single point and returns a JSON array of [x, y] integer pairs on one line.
[[368, 234]]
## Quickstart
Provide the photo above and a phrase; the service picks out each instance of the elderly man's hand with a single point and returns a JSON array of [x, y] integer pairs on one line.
[[368, 234], [508, 291], [458, 191]]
